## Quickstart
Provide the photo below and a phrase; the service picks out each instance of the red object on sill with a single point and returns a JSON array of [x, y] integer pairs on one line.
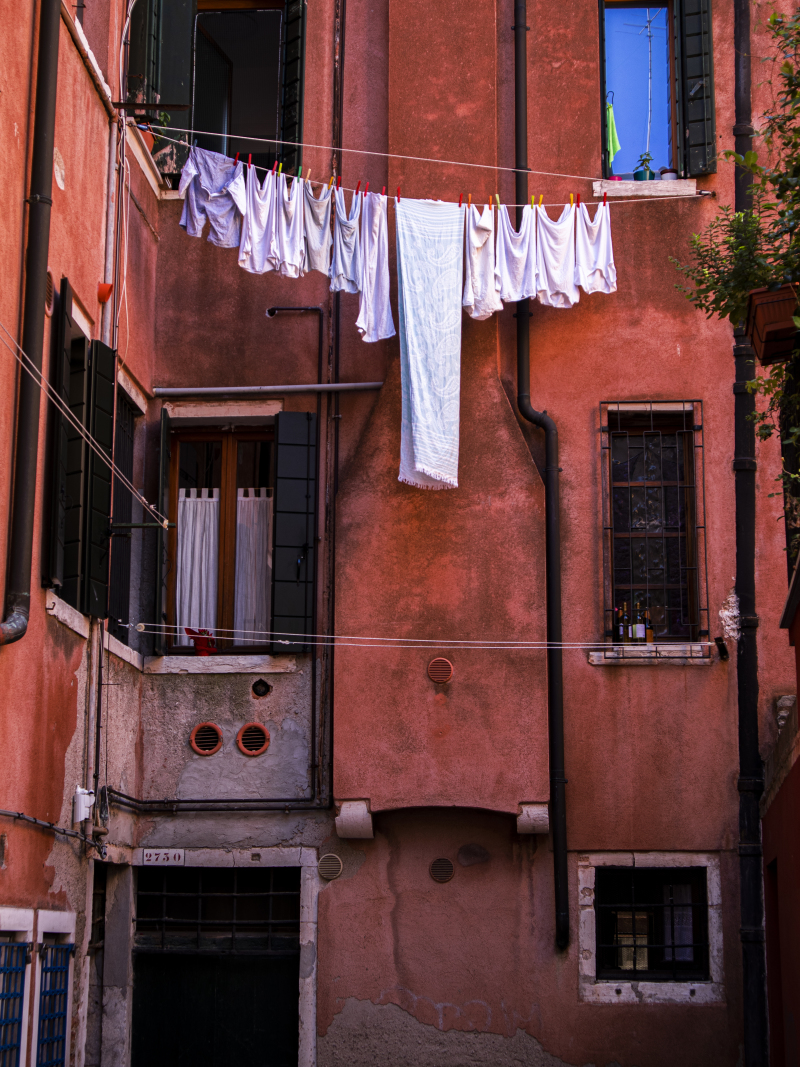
[[104, 291], [770, 327], [203, 640]]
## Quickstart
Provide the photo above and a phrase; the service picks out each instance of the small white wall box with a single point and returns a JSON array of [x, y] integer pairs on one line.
[[82, 804]]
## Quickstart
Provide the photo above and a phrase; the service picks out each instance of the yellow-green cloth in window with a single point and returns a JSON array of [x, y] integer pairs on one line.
[[611, 133]]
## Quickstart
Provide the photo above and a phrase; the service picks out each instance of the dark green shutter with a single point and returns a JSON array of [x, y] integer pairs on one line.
[[76, 472], [144, 52], [295, 539], [294, 38], [53, 573], [97, 482], [695, 88], [162, 505]]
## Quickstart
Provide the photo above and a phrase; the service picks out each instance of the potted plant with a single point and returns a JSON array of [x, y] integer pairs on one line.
[[668, 174], [643, 172], [771, 327]]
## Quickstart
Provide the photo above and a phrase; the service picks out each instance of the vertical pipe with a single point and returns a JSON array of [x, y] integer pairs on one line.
[[555, 683], [20, 552], [751, 770], [111, 215]]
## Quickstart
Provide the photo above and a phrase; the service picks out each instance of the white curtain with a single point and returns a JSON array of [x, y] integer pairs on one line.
[[678, 922], [253, 583], [197, 563]]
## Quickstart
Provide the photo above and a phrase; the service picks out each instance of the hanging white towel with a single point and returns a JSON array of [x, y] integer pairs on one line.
[[253, 577], [213, 188], [197, 562], [290, 227], [480, 294], [555, 258], [515, 272], [430, 245], [346, 264], [594, 254], [258, 252], [318, 229], [374, 321]]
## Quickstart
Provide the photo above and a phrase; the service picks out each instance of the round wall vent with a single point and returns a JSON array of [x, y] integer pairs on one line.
[[206, 739], [440, 670], [329, 866], [253, 739], [261, 688], [49, 294], [441, 870]]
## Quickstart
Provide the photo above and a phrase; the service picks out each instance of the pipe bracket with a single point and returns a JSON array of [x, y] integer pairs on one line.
[[744, 463]]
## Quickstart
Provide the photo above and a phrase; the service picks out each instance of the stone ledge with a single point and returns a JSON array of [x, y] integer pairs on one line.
[[220, 665], [680, 655], [66, 614], [680, 187], [116, 648]]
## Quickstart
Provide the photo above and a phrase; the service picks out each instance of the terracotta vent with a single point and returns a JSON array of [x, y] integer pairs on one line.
[[49, 294], [440, 670], [253, 739], [206, 739], [442, 870], [329, 866]]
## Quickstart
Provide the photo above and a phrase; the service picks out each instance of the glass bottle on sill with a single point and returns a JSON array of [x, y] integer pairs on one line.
[[638, 629], [648, 628], [617, 629], [625, 627]]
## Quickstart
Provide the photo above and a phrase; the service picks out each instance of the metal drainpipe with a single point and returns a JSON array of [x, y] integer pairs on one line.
[[20, 552], [555, 681], [751, 769]]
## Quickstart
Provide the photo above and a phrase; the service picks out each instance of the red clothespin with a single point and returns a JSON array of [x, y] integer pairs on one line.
[[460, 198], [383, 191], [366, 189], [398, 194], [605, 198], [338, 181], [250, 159], [579, 199], [236, 160], [274, 165], [358, 186]]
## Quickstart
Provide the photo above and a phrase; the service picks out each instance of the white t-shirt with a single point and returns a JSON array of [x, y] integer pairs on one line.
[[290, 227], [594, 254], [258, 252], [346, 263], [374, 321], [516, 256], [480, 294], [319, 238], [555, 258]]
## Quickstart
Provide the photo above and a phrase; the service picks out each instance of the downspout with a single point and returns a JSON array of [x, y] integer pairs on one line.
[[751, 769], [555, 682], [20, 552]]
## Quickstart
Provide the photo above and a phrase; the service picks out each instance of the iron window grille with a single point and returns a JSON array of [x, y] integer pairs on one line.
[[53, 997], [219, 910], [652, 924], [14, 958], [654, 526]]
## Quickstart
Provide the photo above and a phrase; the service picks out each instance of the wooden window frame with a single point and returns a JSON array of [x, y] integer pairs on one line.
[[226, 561]]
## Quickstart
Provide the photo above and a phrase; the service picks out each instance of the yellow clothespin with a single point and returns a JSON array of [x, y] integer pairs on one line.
[[280, 167], [469, 200], [571, 199], [497, 198], [308, 175], [532, 198], [330, 183], [541, 198]]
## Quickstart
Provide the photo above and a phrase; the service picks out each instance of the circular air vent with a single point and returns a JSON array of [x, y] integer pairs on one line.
[[253, 739], [329, 866], [206, 739], [441, 870], [261, 688], [49, 294], [440, 670]]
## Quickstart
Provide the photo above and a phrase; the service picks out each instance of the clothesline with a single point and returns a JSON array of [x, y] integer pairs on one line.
[[618, 201]]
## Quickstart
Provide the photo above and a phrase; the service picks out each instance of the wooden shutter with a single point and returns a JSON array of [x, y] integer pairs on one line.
[[695, 87], [143, 52], [120, 570], [53, 573], [294, 38], [97, 482], [295, 540], [76, 472], [162, 505]]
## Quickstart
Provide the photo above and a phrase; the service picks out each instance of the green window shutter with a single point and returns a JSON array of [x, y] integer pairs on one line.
[[97, 483], [695, 87], [295, 540], [162, 505], [53, 574], [76, 472], [144, 52], [294, 40]]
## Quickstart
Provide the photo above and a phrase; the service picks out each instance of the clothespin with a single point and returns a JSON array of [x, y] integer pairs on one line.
[[605, 198], [358, 186], [236, 160], [541, 198], [274, 165], [280, 167], [460, 198], [308, 175], [300, 172], [497, 198], [532, 198], [339, 181], [469, 200], [249, 158], [383, 191], [398, 194], [330, 183], [579, 199], [366, 189], [571, 199]]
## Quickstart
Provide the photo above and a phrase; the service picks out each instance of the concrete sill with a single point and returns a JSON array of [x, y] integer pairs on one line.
[[66, 614], [220, 665], [173, 194], [116, 648], [610, 992], [681, 187], [687, 655]]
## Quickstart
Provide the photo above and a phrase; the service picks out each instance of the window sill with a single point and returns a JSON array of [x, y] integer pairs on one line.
[[611, 992], [66, 614], [677, 655], [116, 648], [680, 187], [220, 664]]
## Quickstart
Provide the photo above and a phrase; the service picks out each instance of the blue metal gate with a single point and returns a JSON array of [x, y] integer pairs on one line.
[[53, 995], [13, 961]]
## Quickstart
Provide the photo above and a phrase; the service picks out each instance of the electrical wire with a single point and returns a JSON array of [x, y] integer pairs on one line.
[[51, 827], [28, 365]]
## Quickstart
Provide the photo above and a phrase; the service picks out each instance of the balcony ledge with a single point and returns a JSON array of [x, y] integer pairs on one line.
[[676, 655], [679, 187]]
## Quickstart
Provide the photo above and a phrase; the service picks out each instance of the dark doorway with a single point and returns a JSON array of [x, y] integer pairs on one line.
[[216, 968]]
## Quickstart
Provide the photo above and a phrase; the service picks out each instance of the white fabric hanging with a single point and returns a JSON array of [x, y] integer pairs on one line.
[[594, 254], [258, 251], [290, 227], [213, 188], [319, 238], [197, 562], [253, 580], [430, 254], [346, 263], [480, 293], [555, 258], [374, 321], [515, 272]]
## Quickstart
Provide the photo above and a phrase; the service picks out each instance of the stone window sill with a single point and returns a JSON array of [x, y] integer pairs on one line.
[[220, 664], [610, 992], [680, 187], [677, 655]]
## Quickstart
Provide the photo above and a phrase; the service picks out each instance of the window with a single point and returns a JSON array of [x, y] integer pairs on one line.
[[120, 580], [652, 924], [237, 69], [658, 87], [14, 959], [83, 377], [240, 561], [54, 976], [654, 527]]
